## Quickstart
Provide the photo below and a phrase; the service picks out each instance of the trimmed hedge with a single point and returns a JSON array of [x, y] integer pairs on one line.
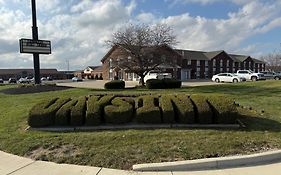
[[202, 109], [95, 107], [163, 84], [94, 110], [62, 117], [77, 114], [224, 109], [149, 112], [184, 109], [154, 84], [166, 104], [43, 114], [171, 83], [119, 112], [115, 84]]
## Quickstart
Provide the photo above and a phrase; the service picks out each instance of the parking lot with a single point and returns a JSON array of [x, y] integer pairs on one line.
[[99, 84]]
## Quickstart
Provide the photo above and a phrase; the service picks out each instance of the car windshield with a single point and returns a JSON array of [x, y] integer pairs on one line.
[[251, 71]]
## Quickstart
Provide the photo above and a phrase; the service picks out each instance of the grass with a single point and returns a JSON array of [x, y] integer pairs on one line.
[[122, 149]]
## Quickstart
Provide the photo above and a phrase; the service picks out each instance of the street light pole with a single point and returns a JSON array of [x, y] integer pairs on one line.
[[35, 37]]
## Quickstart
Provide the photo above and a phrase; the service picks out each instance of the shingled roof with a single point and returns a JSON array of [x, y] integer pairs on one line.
[[212, 54], [238, 58], [187, 54]]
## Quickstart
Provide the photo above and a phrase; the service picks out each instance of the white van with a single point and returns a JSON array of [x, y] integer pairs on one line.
[[157, 75]]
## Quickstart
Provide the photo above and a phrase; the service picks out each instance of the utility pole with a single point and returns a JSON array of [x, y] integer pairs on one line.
[[35, 37]]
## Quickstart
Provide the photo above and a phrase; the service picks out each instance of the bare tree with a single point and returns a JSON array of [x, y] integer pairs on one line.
[[273, 60], [143, 44]]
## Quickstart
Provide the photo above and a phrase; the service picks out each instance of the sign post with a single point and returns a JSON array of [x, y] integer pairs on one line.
[[35, 37], [35, 46]]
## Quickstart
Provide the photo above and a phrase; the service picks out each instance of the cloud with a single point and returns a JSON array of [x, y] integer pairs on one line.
[[206, 2], [78, 29], [201, 33]]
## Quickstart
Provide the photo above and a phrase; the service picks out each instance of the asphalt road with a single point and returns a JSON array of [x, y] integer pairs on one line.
[[99, 84]]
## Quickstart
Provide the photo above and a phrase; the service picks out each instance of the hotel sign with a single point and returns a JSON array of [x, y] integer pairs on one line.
[[35, 46]]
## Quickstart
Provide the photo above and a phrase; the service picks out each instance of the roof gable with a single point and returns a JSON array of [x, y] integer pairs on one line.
[[238, 58], [188, 54], [213, 54], [145, 48]]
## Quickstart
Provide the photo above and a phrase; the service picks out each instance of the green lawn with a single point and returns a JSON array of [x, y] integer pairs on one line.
[[122, 149]]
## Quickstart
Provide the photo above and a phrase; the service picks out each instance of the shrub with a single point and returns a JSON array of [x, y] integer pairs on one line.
[[154, 84], [171, 83], [184, 109], [163, 84], [165, 103], [149, 112], [203, 110], [62, 117], [115, 84], [119, 112], [95, 109], [43, 114], [77, 114], [224, 109]]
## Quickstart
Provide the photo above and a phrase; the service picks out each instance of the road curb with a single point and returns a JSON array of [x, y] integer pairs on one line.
[[212, 163], [137, 126]]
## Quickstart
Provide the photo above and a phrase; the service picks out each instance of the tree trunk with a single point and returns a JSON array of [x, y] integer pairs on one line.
[[142, 80]]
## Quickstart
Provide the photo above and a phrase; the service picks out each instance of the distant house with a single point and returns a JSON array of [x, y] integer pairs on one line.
[[189, 64], [18, 73], [90, 72]]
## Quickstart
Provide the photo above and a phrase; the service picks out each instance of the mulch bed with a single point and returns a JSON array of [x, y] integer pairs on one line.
[[33, 89]]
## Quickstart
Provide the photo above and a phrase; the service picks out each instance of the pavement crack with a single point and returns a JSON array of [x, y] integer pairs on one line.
[[21, 168], [99, 171]]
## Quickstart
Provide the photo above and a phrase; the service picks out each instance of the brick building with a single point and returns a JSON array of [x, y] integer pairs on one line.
[[189, 64], [111, 69]]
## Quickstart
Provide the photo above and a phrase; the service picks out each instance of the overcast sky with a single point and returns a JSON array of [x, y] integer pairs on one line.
[[78, 28]]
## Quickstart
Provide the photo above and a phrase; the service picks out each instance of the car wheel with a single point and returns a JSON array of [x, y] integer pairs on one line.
[[254, 78], [235, 80], [217, 80], [277, 78]]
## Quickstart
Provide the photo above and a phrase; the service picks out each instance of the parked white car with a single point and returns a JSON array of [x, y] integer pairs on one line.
[[157, 75], [24, 80], [250, 75], [227, 77]]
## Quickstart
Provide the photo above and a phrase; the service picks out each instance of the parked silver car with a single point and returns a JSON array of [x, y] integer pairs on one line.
[[76, 79]]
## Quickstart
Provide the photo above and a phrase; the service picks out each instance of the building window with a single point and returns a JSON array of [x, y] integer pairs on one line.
[[206, 63], [188, 62], [214, 63], [221, 63], [198, 62], [227, 63]]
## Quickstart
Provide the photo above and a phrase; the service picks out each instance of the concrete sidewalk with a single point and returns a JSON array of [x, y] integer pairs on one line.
[[15, 165]]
